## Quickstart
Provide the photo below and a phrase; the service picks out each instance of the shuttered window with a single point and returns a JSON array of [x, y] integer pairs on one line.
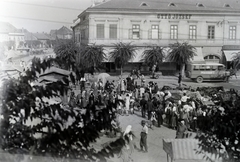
[[113, 31], [100, 31]]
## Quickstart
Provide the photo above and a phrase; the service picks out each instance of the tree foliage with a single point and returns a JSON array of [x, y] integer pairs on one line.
[[36, 122], [33, 43], [92, 56], [66, 51], [181, 53], [122, 53], [153, 55], [222, 133], [236, 60]]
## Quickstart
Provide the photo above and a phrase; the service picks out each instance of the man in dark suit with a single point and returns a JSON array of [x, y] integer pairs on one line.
[[149, 108], [143, 104]]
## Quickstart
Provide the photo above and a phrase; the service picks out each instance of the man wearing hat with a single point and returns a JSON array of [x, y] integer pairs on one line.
[[181, 129], [143, 140]]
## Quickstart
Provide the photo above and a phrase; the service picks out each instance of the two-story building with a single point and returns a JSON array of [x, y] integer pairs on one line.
[[8, 33], [212, 26]]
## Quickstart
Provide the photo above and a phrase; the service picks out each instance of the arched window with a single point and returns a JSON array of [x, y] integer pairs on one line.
[[212, 58], [143, 4], [172, 4], [200, 5], [226, 5]]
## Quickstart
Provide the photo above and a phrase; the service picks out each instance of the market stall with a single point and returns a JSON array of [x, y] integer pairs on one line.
[[187, 150]]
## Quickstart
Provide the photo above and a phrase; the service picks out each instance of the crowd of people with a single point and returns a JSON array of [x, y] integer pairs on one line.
[[180, 109]]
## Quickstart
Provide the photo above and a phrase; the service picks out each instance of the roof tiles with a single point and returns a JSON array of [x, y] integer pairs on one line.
[[184, 5]]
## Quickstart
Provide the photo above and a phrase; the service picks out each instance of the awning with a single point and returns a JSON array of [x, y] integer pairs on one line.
[[212, 51], [138, 55], [137, 58], [230, 53], [187, 149], [199, 56]]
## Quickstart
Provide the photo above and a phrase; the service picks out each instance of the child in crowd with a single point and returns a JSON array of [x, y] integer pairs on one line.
[[143, 140]]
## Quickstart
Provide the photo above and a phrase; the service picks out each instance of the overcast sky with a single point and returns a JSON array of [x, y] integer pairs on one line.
[[41, 15]]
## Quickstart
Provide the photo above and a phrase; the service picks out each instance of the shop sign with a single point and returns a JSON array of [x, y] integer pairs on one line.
[[174, 16]]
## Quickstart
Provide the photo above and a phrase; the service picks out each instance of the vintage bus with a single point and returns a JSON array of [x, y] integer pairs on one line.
[[207, 72]]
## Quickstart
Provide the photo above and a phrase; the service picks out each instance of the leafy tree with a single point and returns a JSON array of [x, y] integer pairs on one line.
[[223, 133], [66, 52], [21, 44], [9, 44], [236, 60], [36, 122], [51, 43], [33, 43], [181, 53], [122, 53], [153, 55]]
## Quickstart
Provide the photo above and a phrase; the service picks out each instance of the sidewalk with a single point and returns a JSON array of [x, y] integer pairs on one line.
[[154, 140]]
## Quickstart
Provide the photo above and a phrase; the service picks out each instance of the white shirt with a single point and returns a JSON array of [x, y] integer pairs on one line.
[[145, 129], [184, 98], [142, 90]]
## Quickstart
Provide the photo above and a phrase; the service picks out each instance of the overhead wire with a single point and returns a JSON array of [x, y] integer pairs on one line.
[[54, 21], [141, 30], [39, 5], [44, 20]]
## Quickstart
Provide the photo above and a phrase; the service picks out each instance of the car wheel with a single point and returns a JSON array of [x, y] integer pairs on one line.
[[199, 79]]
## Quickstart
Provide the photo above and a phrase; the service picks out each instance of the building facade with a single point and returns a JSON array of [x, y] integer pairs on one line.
[[209, 25], [8, 33], [62, 33]]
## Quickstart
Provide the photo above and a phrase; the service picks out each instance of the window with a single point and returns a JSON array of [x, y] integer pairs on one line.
[[155, 31], [113, 31], [136, 31], [100, 31], [202, 67], [200, 5], [192, 32], [232, 32], [173, 32], [226, 5], [214, 67], [171, 4], [211, 57], [211, 32], [208, 68], [83, 34], [196, 67], [143, 4], [220, 67]]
